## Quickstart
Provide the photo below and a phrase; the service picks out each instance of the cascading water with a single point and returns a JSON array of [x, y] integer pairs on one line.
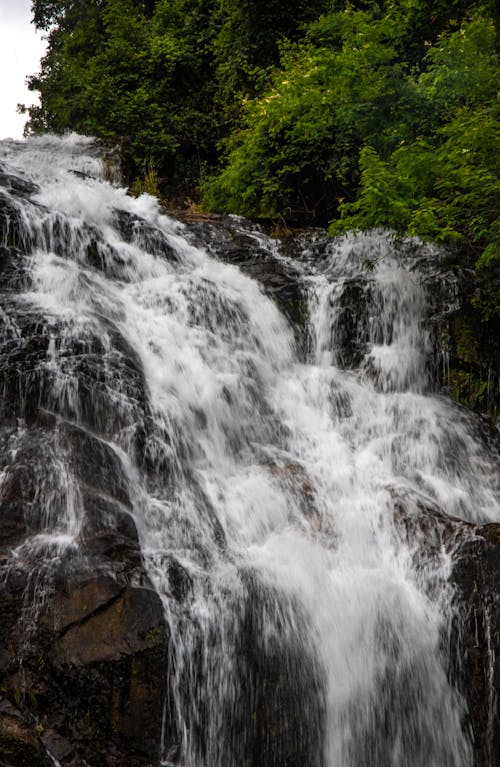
[[295, 504]]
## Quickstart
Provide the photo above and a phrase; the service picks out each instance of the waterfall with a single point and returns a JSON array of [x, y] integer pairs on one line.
[[292, 487]]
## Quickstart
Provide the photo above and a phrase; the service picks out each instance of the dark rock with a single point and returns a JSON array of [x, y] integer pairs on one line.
[[82, 634], [12, 497], [27, 480], [420, 521], [95, 464], [90, 673], [475, 640], [279, 717], [105, 667], [352, 327], [137, 231], [476, 576], [13, 277], [108, 529], [72, 607], [180, 582], [20, 744], [13, 586], [108, 624], [17, 184], [58, 747], [103, 389], [235, 241], [13, 230], [294, 478]]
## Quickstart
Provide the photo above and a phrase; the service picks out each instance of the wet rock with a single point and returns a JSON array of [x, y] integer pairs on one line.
[[102, 389], [76, 605], [109, 681], [17, 184], [108, 529], [238, 242], [293, 477], [352, 323], [180, 581], [12, 495], [89, 672], [13, 278], [13, 586], [105, 667], [423, 525], [476, 576], [279, 718], [106, 390], [59, 748], [20, 744], [136, 230], [23, 352], [96, 381], [108, 625], [475, 640], [82, 633], [22, 501], [62, 471], [13, 230], [96, 465], [466, 342]]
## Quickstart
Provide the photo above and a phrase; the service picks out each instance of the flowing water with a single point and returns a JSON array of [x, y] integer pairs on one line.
[[294, 497]]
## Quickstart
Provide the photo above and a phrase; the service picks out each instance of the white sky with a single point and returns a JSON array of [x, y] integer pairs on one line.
[[20, 51]]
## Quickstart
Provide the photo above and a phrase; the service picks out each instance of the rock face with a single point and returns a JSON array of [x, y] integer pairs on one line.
[[281, 713], [477, 577], [79, 679], [236, 242], [82, 632], [86, 671], [475, 637], [84, 644], [79, 676]]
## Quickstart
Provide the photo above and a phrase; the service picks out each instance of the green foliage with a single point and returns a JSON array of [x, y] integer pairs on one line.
[[345, 94], [299, 144], [473, 379], [469, 390], [446, 186], [247, 46], [373, 113], [365, 113], [163, 78], [136, 73], [148, 184]]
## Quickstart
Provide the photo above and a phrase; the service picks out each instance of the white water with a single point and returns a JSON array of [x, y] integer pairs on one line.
[[277, 485]]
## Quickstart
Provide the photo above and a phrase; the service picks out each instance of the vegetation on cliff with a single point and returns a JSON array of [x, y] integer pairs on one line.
[[359, 114]]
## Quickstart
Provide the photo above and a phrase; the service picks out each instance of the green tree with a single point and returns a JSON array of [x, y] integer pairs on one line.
[[444, 185], [247, 47], [297, 153], [139, 74]]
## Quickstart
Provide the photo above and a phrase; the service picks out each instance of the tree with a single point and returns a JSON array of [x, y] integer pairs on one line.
[[136, 73]]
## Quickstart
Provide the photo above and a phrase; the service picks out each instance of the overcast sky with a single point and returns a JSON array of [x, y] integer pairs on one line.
[[20, 52]]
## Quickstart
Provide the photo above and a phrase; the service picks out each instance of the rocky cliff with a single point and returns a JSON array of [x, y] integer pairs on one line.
[[105, 631]]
